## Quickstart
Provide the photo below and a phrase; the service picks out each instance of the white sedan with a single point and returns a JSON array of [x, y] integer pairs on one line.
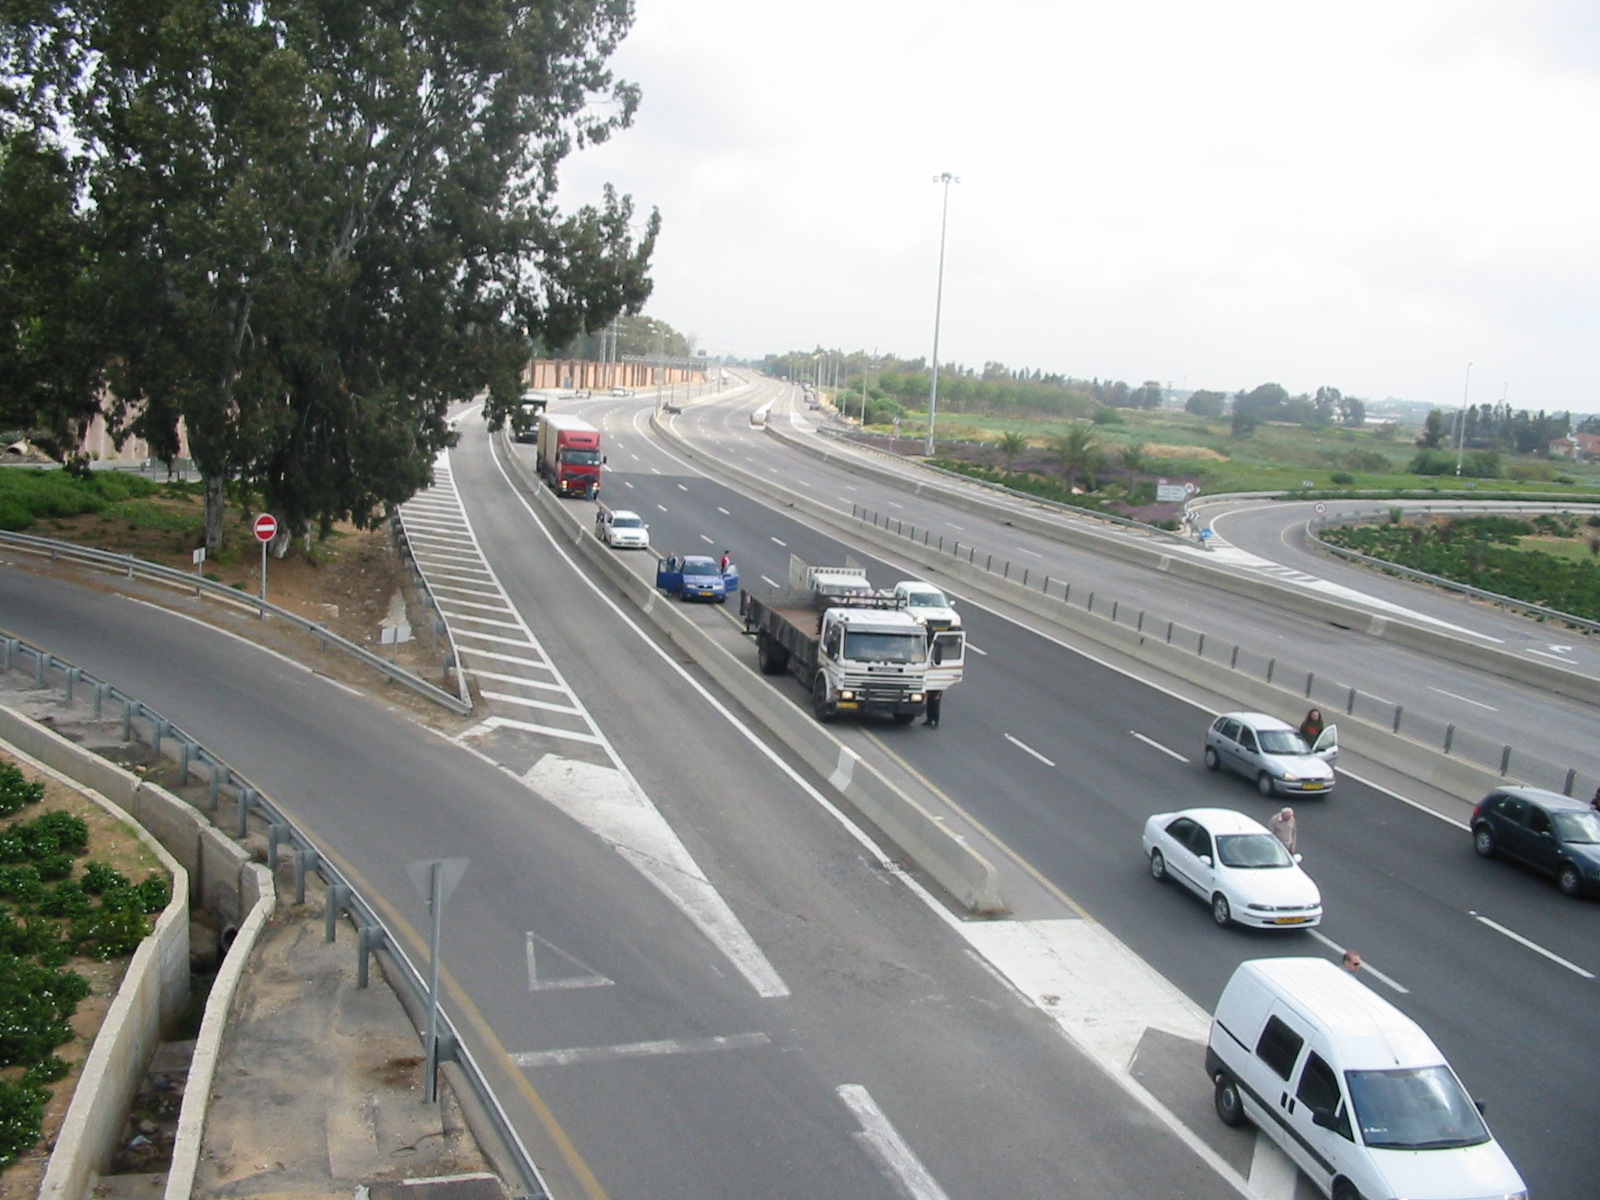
[[1235, 865]]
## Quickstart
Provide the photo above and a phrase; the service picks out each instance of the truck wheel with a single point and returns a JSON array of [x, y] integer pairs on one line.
[[819, 699], [772, 658]]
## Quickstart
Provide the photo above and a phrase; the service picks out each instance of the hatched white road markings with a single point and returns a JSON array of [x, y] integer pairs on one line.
[[606, 799], [1023, 746], [587, 976], [1158, 746], [582, 1054], [1531, 945], [885, 1144], [1560, 658], [1463, 699]]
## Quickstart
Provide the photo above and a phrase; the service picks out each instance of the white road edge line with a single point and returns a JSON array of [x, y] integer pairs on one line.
[[580, 1054], [1531, 945], [1155, 745], [1027, 749], [888, 1147]]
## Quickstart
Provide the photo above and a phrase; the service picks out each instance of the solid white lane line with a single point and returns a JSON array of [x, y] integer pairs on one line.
[[1158, 746], [780, 542], [1025, 550], [1366, 967], [1463, 699], [886, 1145], [582, 1054], [1531, 945], [1029, 749]]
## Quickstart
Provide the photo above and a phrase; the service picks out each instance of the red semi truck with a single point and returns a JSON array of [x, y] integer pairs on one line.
[[569, 455]]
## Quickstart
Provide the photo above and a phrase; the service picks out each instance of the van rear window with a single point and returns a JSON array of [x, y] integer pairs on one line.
[[1278, 1047]]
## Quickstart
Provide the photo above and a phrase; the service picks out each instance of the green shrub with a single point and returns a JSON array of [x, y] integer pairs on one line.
[[21, 1118], [16, 792], [1342, 477], [109, 932], [97, 878]]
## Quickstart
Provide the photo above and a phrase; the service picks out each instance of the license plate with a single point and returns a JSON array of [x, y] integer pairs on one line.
[[1290, 920], [1315, 787]]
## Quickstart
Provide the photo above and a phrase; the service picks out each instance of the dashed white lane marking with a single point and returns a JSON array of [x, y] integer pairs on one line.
[[884, 1143], [1151, 742], [1027, 749], [975, 650], [1463, 699], [1531, 945], [780, 542], [582, 1054], [1366, 967], [1562, 659]]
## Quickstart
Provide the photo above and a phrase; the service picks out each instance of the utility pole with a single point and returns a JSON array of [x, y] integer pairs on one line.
[[938, 308]]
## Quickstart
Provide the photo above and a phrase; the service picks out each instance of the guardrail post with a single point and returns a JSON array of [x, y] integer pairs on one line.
[[1272, 665], [1311, 679], [1114, 605], [247, 797], [39, 663], [10, 645], [1233, 660], [219, 776], [1169, 632], [1200, 648], [1398, 709], [1449, 736], [1138, 626], [988, 563], [185, 748], [303, 860], [1350, 703], [158, 731], [1505, 759], [99, 698], [1066, 593], [277, 832], [1024, 576], [368, 939], [1046, 588], [71, 678], [1572, 777], [336, 900], [127, 719]]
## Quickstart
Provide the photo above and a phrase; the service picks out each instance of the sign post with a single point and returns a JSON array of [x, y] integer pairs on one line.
[[266, 527]]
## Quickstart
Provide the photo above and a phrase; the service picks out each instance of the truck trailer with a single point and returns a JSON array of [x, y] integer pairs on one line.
[[855, 649], [569, 455]]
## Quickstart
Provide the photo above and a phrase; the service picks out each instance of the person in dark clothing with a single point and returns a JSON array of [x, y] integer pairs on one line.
[[1311, 727], [932, 717]]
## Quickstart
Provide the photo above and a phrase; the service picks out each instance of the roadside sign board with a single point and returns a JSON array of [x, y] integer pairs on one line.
[[266, 527], [1168, 493]]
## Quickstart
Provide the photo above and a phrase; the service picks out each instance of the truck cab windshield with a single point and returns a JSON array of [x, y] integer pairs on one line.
[[862, 646], [581, 458]]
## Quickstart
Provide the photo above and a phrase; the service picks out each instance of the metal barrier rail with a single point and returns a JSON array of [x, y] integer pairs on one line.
[[1329, 694], [342, 898], [1439, 581], [130, 566]]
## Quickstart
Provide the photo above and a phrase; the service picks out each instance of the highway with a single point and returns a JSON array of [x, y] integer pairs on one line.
[[1062, 759]]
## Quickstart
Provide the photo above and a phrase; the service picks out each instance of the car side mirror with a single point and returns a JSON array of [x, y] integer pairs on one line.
[[1298, 857], [1206, 859], [1324, 1118], [1478, 1104]]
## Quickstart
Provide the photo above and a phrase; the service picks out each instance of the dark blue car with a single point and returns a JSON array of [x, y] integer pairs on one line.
[[1549, 832]]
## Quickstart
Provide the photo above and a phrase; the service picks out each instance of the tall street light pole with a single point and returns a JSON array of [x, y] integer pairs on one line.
[[1461, 420], [938, 307]]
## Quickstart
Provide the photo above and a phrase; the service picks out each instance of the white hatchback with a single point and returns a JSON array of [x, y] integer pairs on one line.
[[1235, 865], [625, 530]]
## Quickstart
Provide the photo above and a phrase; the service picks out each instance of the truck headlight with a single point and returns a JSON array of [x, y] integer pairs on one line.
[[915, 697], [846, 694]]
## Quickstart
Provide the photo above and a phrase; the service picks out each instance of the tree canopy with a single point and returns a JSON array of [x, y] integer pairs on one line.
[[311, 226]]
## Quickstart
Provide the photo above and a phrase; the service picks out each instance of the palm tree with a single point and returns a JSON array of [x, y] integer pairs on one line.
[[1011, 444], [1133, 461], [1077, 453]]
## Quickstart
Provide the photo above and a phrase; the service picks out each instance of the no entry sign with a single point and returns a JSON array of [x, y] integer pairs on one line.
[[266, 527]]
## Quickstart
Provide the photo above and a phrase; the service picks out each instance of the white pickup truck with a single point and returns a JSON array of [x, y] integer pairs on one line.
[[927, 603]]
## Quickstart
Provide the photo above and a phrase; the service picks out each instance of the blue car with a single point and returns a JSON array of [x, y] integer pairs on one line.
[[696, 577], [1551, 833]]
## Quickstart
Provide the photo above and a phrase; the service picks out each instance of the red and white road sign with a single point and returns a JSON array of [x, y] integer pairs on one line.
[[266, 527]]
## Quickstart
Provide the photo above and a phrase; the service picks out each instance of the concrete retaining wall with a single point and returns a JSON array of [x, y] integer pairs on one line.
[[957, 868]]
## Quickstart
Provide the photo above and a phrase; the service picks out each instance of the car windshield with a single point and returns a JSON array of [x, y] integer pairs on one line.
[[1282, 741], [700, 566], [1250, 851], [581, 458], [1580, 828], [1422, 1108], [627, 522], [926, 600], [884, 647]]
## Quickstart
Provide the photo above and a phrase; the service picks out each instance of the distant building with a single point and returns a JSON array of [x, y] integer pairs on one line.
[[1580, 447]]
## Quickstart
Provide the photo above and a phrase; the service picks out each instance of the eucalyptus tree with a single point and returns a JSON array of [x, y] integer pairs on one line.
[[315, 225]]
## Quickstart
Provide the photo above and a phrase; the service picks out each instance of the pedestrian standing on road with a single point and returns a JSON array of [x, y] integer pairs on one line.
[[1311, 727], [931, 719], [1284, 828], [1595, 803], [725, 561], [1351, 961]]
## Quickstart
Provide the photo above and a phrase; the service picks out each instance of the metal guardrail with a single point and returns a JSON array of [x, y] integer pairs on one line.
[[439, 627], [130, 566], [1016, 494], [141, 723], [1507, 602], [1331, 695]]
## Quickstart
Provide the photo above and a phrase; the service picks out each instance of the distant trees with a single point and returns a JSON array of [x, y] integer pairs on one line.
[[1205, 404]]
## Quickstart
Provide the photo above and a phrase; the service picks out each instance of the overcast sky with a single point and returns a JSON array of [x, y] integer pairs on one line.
[[1367, 196]]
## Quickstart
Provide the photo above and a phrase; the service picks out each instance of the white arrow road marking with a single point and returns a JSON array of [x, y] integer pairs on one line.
[[589, 978], [886, 1145]]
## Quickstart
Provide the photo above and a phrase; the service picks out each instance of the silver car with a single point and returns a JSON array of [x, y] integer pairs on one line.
[[1272, 753]]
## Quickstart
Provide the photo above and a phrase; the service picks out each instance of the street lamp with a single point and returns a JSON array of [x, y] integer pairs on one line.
[[1461, 420], [938, 305]]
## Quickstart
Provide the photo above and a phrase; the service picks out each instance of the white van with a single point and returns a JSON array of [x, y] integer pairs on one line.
[[1350, 1087]]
